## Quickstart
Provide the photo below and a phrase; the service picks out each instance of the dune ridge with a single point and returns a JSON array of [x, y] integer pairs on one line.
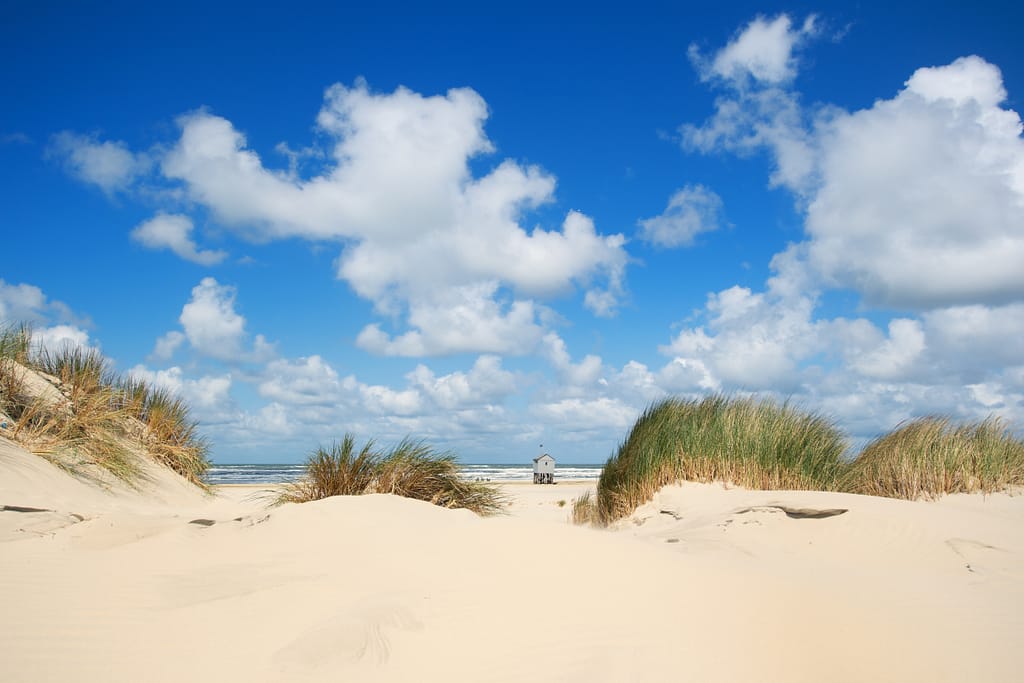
[[703, 582]]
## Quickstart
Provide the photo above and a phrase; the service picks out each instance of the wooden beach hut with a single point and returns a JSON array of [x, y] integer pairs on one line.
[[544, 469]]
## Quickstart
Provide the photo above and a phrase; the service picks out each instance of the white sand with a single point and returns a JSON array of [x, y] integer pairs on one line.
[[702, 584]]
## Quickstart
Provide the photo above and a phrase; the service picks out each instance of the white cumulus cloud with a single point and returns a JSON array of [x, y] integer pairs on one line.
[[203, 393], [58, 337], [214, 328], [763, 50], [167, 345], [921, 200], [21, 303], [109, 165], [53, 324], [692, 210], [462, 319], [420, 230], [913, 204], [485, 383], [174, 232]]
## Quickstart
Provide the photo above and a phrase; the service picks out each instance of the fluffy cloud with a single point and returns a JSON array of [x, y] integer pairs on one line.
[[975, 337], [462, 319], [167, 345], [53, 323], [214, 328], [57, 337], [762, 51], [749, 120], [757, 109], [921, 197], [485, 383], [420, 230], [21, 303], [869, 378], [583, 374], [751, 341], [313, 381], [915, 203], [203, 393], [692, 210], [211, 324], [109, 165], [584, 415], [894, 357], [174, 232], [395, 187], [306, 381]]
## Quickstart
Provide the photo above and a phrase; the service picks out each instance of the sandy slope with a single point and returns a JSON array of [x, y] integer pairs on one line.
[[702, 584]]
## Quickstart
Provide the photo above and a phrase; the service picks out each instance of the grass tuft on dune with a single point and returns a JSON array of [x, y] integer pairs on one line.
[[749, 443], [584, 509], [932, 456], [69, 406], [411, 469], [762, 445]]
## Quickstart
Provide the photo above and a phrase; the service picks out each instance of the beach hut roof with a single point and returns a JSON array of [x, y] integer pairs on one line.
[[541, 457]]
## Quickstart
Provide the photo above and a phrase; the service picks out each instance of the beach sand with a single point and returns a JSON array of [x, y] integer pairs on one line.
[[704, 583]]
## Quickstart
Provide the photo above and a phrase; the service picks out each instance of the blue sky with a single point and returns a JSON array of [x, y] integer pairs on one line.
[[520, 226]]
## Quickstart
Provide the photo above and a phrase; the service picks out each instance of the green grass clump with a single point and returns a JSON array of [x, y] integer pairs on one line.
[[335, 471], [754, 444], [932, 456], [90, 415], [411, 469]]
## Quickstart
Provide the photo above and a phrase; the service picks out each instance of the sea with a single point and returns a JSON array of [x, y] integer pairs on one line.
[[281, 473]]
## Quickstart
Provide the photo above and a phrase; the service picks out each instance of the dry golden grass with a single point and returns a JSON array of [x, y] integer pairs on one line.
[[584, 509], [81, 413], [932, 456]]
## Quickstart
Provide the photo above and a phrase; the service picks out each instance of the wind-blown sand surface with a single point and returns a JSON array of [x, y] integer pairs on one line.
[[704, 583]]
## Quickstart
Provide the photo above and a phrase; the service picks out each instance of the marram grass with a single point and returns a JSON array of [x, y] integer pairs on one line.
[[932, 456], [16, 342], [762, 445], [584, 509], [411, 469], [101, 419], [749, 443]]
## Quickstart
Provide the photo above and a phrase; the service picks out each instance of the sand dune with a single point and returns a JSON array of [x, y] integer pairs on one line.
[[703, 583]]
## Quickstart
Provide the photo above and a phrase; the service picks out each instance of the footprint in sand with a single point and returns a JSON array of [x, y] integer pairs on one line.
[[359, 633], [980, 558]]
